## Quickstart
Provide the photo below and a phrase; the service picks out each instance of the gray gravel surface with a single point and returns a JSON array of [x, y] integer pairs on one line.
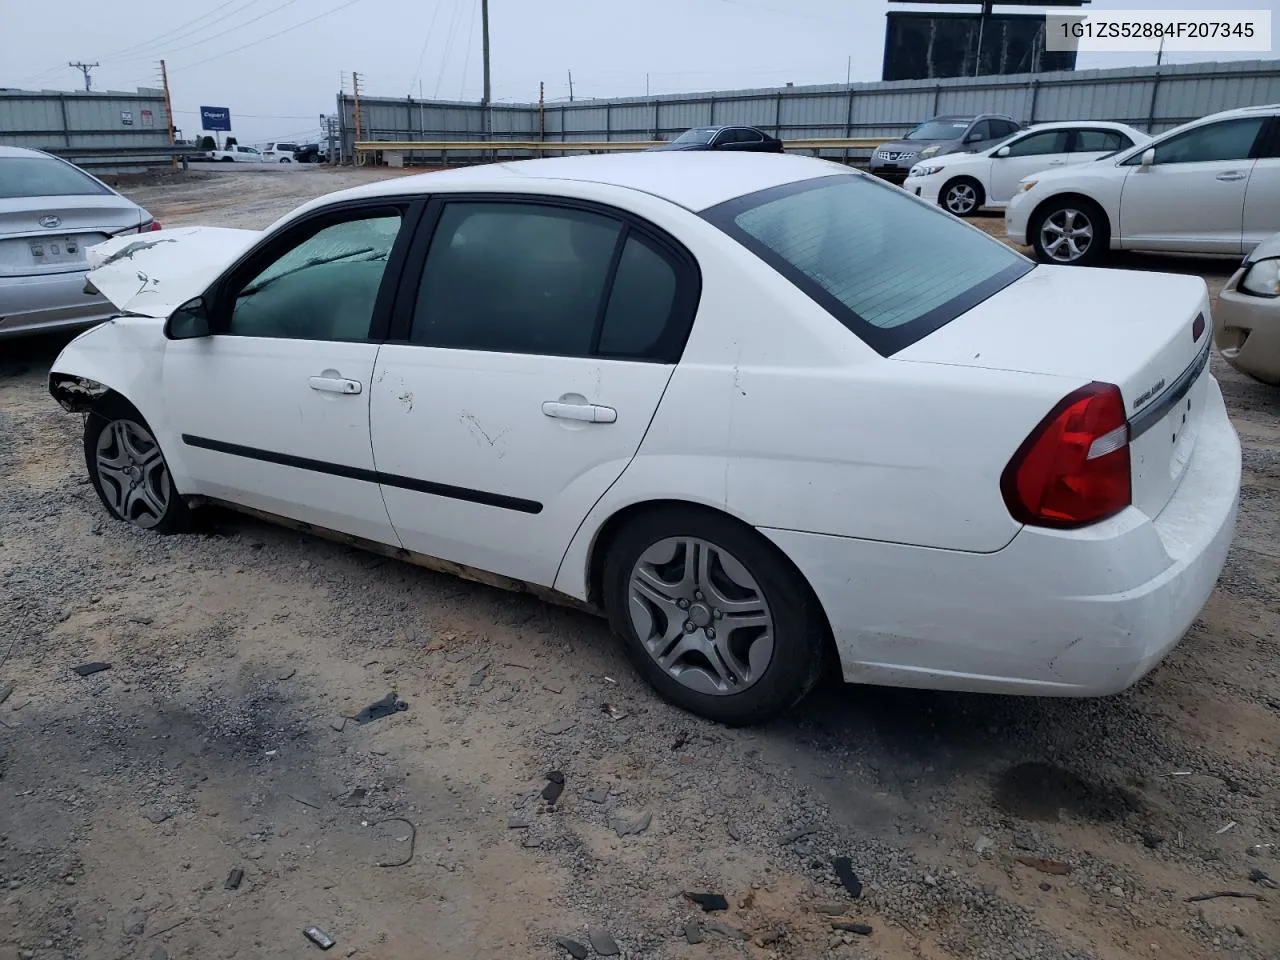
[[218, 741]]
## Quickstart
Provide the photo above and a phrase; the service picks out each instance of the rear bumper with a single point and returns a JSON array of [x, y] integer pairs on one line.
[[1055, 613], [1246, 330], [51, 302]]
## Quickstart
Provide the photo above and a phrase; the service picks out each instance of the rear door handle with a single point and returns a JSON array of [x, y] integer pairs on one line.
[[586, 412], [334, 385], [1231, 177]]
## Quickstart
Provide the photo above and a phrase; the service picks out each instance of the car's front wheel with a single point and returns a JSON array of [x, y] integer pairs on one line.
[[962, 196], [128, 469], [1072, 231], [713, 615]]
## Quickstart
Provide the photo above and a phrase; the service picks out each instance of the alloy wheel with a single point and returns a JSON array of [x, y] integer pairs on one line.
[[961, 198], [132, 473], [1066, 235]]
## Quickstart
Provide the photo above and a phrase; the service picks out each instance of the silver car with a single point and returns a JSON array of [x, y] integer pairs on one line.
[[50, 211]]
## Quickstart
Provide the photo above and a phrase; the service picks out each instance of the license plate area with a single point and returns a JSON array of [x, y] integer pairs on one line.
[[56, 251]]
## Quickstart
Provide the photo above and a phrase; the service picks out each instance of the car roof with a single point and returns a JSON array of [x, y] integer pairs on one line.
[[694, 180], [1072, 124], [21, 152]]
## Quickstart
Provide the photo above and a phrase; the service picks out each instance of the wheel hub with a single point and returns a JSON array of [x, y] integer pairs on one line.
[[700, 614]]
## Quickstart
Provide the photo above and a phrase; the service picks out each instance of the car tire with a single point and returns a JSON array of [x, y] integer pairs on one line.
[[228, 159], [285, 160], [724, 571], [962, 196], [128, 469], [1058, 227]]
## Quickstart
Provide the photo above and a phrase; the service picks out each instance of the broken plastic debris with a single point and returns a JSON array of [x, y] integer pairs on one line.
[[612, 712], [555, 786], [233, 879], [1222, 830], [89, 669], [709, 902], [844, 871], [380, 708], [319, 937]]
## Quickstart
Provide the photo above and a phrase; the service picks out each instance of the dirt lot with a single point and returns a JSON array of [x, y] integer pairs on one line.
[[219, 740]]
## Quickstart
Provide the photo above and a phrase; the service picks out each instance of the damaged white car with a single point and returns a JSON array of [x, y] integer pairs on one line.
[[763, 412]]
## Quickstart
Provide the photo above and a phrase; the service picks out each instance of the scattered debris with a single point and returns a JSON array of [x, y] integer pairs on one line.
[[413, 840], [1045, 885], [338, 723], [709, 902], [862, 929], [983, 844], [555, 786], [626, 827], [609, 679], [1217, 894], [135, 921], [733, 933], [1257, 876], [734, 831], [576, 950], [1055, 867], [798, 833], [517, 822], [532, 842], [599, 793], [557, 727], [693, 932], [234, 879], [612, 712], [287, 675], [355, 797], [602, 942], [681, 739], [142, 621], [89, 669], [1025, 841], [158, 816], [380, 708], [770, 938], [1178, 773], [319, 937], [6, 691], [163, 930], [844, 872], [1151, 840], [1221, 830], [477, 678]]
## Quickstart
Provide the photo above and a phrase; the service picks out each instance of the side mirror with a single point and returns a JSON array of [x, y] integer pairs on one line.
[[1002, 152], [1148, 158], [189, 322]]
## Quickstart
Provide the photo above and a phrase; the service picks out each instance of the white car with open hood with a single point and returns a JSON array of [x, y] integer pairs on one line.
[[764, 412]]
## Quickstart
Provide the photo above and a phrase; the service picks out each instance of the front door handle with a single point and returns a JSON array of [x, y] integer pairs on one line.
[[586, 412], [1231, 177], [335, 385]]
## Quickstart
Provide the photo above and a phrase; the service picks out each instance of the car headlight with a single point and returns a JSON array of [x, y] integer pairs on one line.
[[924, 170], [1263, 278], [928, 152], [1026, 185]]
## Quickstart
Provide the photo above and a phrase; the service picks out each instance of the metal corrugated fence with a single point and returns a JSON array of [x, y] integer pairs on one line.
[[1149, 98], [66, 121]]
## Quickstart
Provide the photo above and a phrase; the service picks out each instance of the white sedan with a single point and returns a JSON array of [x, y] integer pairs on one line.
[[765, 412], [1211, 186], [964, 183]]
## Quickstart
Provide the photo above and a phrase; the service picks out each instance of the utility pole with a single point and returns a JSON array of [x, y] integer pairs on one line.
[[484, 48], [848, 71], [355, 86], [84, 68], [646, 85], [1160, 52], [542, 110], [571, 86], [168, 108]]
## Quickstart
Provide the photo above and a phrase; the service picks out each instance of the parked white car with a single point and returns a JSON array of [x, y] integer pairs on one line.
[[280, 153], [237, 154], [964, 183], [1211, 186], [758, 409]]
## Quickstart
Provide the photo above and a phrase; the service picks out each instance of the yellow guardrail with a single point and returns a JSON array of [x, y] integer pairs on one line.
[[592, 146]]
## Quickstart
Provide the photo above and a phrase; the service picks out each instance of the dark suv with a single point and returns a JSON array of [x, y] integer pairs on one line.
[[941, 135]]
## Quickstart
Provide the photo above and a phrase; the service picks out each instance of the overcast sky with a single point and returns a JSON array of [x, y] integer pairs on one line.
[[228, 53]]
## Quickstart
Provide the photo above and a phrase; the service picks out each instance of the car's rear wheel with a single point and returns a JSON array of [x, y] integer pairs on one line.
[[228, 159], [962, 196], [1072, 231], [285, 160], [713, 615], [128, 469]]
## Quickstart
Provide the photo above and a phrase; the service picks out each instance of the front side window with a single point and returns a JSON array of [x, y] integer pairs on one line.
[[981, 131], [889, 268], [1224, 140], [44, 177], [1040, 144], [324, 288], [1003, 128]]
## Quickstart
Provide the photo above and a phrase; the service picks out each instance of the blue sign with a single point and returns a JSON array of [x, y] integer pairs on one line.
[[215, 118]]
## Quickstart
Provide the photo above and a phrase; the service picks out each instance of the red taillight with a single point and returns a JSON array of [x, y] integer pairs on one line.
[[1074, 468], [155, 225], [1197, 328]]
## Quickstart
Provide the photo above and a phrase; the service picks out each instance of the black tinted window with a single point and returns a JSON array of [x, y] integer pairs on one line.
[[1003, 128], [1099, 141], [515, 278], [1038, 144], [1225, 140], [325, 288], [640, 305], [980, 131], [43, 177]]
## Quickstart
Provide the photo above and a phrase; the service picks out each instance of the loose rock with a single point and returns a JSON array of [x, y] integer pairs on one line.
[[693, 932], [630, 826], [575, 949], [862, 929], [602, 942], [709, 902], [557, 727]]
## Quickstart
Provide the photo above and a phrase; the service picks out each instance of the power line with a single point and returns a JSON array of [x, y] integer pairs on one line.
[[223, 33], [448, 47], [168, 37], [271, 36], [423, 52], [466, 60]]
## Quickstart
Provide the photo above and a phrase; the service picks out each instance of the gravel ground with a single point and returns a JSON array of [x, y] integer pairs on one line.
[[221, 739]]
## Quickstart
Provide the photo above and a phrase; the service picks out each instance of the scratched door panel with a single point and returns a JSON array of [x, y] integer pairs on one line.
[[475, 472]]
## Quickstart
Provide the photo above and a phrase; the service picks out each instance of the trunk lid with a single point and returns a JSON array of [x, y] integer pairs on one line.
[[1133, 329], [43, 235], [156, 273]]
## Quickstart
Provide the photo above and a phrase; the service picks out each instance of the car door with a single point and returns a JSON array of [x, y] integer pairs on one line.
[[1192, 198], [1262, 196], [730, 138], [1030, 154], [273, 406], [529, 354]]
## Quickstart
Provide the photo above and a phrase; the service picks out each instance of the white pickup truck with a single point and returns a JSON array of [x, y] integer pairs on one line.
[[236, 154]]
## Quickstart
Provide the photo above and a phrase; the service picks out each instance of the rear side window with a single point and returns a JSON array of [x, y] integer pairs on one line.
[[1099, 141], [44, 177], [889, 268], [1040, 144]]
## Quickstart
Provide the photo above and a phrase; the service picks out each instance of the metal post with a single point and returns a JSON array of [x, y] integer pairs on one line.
[[937, 97], [848, 124], [777, 117], [608, 122], [711, 122], [168, 106], [1035, 94], [542, 110], [66, 123], [657, 125], [1151, 112], [355, 86], [484, 43]]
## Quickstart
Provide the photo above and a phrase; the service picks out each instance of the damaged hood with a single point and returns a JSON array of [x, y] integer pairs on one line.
[[155, 273]]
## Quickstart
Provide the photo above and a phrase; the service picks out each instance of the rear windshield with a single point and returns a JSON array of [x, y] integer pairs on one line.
[[44, 177], [890, 268]]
